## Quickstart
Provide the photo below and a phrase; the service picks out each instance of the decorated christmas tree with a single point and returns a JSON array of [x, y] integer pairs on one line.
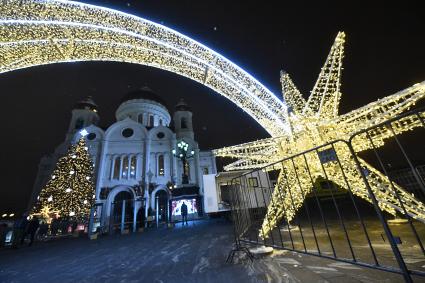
[[70, 190]]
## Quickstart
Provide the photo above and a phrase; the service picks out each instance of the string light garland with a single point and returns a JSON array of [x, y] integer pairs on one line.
[[65, 194], [314, 122], [37, 32]]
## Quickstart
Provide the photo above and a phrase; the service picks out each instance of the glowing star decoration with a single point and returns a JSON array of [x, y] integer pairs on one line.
[[84, 132], [314, 122], [38, 32]]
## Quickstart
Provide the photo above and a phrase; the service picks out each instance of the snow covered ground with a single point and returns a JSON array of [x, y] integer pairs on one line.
[[194, 253]]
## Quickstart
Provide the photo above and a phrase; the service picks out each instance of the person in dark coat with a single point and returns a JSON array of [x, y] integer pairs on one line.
[[32, 229], [183, 209], [19, 229]]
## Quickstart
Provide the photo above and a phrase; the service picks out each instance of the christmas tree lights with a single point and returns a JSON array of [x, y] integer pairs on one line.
[[70, 190], [316, 122]]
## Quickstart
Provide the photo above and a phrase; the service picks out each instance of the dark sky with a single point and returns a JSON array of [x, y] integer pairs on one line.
[[384, 53]]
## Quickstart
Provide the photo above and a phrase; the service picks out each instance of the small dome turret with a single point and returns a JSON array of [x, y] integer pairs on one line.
[[182, 106], [87, 104]]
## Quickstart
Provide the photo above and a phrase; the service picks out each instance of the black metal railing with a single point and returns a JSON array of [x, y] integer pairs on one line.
[[329, 202]]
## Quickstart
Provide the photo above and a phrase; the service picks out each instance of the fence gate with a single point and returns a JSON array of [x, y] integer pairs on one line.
[[355, 201]]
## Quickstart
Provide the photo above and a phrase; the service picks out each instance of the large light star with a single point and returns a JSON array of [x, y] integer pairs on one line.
[[315, 122]]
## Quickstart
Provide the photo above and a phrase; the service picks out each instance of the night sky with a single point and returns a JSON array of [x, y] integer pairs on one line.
[[384, 54]]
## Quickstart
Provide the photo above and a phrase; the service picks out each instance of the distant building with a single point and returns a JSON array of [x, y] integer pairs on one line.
[[134, 158]]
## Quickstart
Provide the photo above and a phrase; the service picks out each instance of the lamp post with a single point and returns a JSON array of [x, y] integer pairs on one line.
[[182, 152]]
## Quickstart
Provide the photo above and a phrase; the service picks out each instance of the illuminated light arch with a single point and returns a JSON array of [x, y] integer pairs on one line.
[[38, 32]]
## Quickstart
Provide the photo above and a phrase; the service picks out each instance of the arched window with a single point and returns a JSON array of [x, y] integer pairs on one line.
[[161, 167], [124, 168], [140, 119], [205, 170], [117, 166], [151, 121], [183, 123], [79, 123], [133, 167]]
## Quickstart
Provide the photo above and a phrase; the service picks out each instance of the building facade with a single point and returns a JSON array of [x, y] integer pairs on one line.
[[135, 158]]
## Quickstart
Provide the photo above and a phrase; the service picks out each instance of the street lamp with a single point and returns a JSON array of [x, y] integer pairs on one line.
[[182, 152]]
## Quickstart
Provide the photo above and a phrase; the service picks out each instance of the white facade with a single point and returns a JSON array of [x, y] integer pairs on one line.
[[135, 154]]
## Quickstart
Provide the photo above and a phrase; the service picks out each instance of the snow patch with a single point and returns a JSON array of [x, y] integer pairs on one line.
[[202, 264], [322, 269], [344, 265], [290, 261]]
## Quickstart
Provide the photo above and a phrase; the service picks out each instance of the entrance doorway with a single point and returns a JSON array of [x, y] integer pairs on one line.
[[162, 206], [117, 210]]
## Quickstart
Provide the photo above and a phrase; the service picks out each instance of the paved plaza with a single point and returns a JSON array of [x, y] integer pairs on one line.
[[193, 253]]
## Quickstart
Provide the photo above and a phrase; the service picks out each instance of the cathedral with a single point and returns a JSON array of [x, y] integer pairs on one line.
[[147, 157]]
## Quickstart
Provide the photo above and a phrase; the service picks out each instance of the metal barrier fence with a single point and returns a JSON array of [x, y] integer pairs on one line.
[[329, 202], [128, 215]]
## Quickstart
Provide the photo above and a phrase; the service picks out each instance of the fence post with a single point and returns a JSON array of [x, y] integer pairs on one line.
[[91, 219], [134, 215], [122, 216], [156, 209], [396, 251]]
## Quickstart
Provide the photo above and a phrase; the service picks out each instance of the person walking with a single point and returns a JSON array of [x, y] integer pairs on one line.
[[184, 212], [32, 229], [19, 228]]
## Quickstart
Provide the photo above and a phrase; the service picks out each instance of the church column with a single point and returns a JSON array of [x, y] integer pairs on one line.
[[145, 176], [100, 171], [129, 157], [121, 160], [174, 162], [198, 172], [138, 166], [111, 175]]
